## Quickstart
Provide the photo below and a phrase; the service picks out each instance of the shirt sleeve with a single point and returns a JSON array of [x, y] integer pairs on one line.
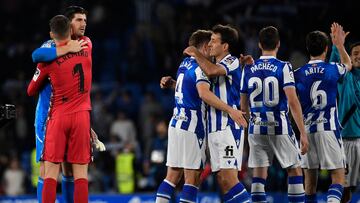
[[288, 76], [46, 53], [230, 64], [243, 83], [342, 69], [36, 83], [200, 76]]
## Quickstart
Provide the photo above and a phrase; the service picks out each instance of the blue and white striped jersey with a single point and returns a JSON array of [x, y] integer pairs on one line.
[[264, 83], [190, 110], [227, 89], [316, 84]]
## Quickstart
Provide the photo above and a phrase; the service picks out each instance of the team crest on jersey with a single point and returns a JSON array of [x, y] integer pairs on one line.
[[229, 60], [36, 75], [291, 75]]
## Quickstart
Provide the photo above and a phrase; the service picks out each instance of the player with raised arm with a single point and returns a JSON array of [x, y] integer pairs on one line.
[[48, 52], [226, 138], [68, 125], [187, 128], [349, 115], [269, 87], [316, 84]]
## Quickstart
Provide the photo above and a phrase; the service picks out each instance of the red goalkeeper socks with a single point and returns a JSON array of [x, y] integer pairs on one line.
[[49, 190], [81, 192]]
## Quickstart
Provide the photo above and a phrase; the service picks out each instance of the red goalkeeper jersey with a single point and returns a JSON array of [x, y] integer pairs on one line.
[[70, 77]]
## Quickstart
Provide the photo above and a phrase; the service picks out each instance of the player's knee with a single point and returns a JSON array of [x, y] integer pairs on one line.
[[294, 171], [174, 175], [192, 177]]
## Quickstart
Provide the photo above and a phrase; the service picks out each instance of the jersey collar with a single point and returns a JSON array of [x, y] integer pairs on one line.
[[267, 57], [315, 61]]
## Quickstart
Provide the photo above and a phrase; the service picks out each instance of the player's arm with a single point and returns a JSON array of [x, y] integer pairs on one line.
[[167, 82], [211, 99], [38, 80], [294, 104], [48, 52], [210, 69], [338, 39], [296, 112]]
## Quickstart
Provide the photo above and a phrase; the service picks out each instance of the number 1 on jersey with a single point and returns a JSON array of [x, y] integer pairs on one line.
[[78, 69]]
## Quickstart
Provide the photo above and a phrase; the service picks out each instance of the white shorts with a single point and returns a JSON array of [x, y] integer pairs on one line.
[[352, 152], [226, 149], [326, 151], [264, 147], [185, 150]]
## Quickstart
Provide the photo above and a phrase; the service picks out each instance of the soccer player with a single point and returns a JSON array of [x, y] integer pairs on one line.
[[187, 128], [68, 125], [269, 87], [48, 52], [349, 115], [226, 138], [316, 85]]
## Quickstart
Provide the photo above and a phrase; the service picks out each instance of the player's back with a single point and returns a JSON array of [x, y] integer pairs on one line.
[[264, 83], [189, 111], [316, 84], [70, 77]]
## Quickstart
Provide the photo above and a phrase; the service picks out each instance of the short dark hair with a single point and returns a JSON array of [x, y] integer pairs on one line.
[[316, 43], [60, 26], [269, 38], [228, 34], [72, 10], [352, 46], [199, 37]]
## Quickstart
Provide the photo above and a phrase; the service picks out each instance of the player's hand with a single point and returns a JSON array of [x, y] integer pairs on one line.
[[191, 51], [246, 60], [166, 82], [304, 143], [76, 46], [338, 35], [97, 144], [238, 117]]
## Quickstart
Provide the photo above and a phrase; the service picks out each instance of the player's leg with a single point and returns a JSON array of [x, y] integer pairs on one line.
[[258, 184], [311, 176], [54, 151], [39, 140], [260, 158], [332, 158], [337, 185], [40, 183], [78, 154], [50, 182], [286, 150], [232, 188], [310, 162], [67, 183], [81, 191], [230, 156], [167, 186], [352, 172], [194, 157], [191, 186], [296, 191]]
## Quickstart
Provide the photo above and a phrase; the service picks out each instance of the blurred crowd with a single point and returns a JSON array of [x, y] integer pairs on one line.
[[135, 42]]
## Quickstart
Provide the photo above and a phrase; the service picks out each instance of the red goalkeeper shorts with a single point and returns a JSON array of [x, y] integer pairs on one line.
[[67, 138]]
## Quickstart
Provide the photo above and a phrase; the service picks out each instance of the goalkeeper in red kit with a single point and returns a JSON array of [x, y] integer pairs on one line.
[[67, 137]]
